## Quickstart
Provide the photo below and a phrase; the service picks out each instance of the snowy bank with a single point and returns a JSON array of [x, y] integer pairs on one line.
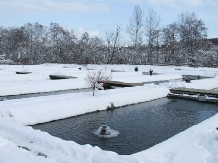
[[198, 144], [36, 146], [44, 109], [26, 87]]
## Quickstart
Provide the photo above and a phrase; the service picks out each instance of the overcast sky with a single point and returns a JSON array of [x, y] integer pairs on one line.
[[98, 16]]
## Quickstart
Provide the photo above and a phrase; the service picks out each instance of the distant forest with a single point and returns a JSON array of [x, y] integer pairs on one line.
[[214, 41], [183, 42]]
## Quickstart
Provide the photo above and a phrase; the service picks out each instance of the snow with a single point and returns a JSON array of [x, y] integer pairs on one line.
[[51, 148], [146, 78], [25, 87], [43, 109], [11, 153], [20, 143], [15, 84]]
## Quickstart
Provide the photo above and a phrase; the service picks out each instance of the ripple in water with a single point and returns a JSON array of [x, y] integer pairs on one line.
[[110, 133]]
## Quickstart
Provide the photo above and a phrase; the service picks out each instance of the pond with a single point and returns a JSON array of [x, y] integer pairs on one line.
[[139, 126]]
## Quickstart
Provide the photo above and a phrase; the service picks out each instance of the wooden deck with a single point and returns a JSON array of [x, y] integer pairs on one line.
[[191, 91], [196, 98], [110, 84], [195, 77]]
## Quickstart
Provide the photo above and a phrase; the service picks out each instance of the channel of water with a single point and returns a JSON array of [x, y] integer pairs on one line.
[[3, 98], [140, 126]]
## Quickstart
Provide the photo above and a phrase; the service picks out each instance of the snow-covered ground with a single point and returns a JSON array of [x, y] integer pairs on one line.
[[19, 143], [38, 81]]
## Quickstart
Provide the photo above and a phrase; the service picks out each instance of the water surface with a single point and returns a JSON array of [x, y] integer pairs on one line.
[[140, 126]]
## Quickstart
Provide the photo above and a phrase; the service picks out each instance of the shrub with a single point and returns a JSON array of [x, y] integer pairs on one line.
[[93, 78], [111, 107]]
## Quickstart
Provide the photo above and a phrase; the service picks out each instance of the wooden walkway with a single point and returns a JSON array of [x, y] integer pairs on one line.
[[196, 98], [191, 91], [195, 77], [110, 84]]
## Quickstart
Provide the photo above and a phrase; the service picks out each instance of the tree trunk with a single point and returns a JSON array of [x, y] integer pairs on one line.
[[93, 90]]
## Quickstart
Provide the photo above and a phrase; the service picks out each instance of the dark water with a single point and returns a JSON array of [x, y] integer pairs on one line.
[[3, 98], [140, 126]]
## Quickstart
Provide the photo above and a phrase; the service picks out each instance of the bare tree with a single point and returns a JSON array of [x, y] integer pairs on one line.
[[183, 42], [114, 45], [152, 23], [58, 37], [134, 29], [93, 78], [84, 49]]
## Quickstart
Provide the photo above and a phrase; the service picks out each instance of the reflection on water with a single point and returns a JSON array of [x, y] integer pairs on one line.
[[140, 126]]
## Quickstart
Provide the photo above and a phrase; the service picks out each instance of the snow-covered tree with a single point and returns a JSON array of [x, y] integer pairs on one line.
[[170, 44], [192, 35], [93, 78]]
